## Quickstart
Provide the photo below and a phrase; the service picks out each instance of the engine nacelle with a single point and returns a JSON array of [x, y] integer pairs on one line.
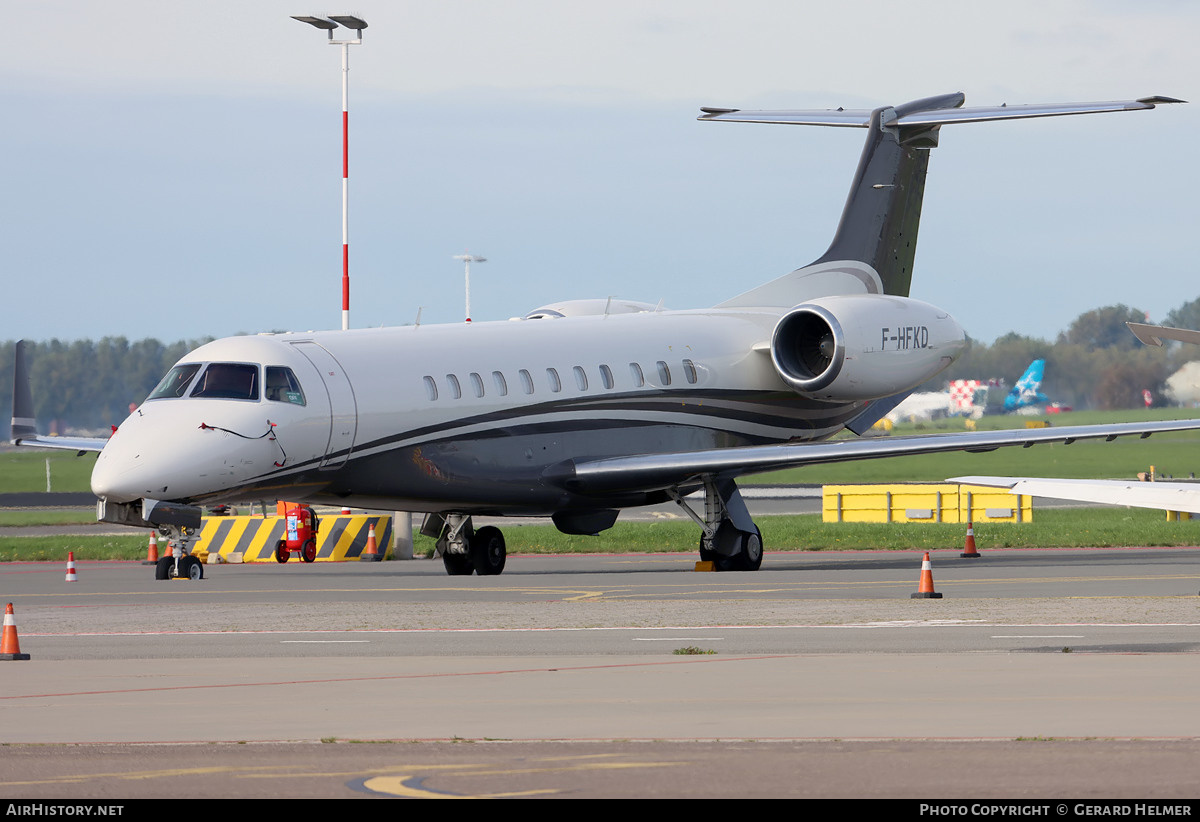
[[863, 346]]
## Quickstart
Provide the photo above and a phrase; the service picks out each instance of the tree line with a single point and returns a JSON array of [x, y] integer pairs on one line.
[[88, 385], [1095, 363]]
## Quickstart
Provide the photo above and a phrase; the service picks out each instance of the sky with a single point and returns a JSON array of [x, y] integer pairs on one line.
[[173, 170]]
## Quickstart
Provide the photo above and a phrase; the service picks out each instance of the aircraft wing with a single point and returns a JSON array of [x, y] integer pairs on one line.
[[1169, 496], [24, 426], [651, 472], [1155, 334]]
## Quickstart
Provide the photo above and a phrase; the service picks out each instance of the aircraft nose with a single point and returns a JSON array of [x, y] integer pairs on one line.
[[117, 479]]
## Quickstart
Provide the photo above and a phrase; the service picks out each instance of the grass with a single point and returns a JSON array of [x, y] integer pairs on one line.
[[1051, 528], [25, 470], [28, 517]]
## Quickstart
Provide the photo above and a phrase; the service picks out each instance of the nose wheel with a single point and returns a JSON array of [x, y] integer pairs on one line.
[[178, 563]]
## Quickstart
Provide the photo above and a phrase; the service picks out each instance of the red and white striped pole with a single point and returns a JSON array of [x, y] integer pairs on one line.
[[345, 186], [328, 25]]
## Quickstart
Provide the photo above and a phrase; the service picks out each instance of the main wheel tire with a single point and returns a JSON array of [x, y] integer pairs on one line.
[[281, 551], [164, 568], [309, 553], [751, 556], [740, 550], [487, 551], [191, 568], [458, 565]]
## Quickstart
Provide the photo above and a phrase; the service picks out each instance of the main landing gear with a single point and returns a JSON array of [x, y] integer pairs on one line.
[[730, 539], [465, 550], [178, 563]]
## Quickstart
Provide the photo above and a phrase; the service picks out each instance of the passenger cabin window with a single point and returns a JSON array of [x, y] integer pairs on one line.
[[555, 382], [689, 371], [282, 385], [664, 373], [501, 385], [431, 388], [176, 383], [639, 379], [455, 388], [228, 381], [606, 376], [526, 381], [580, 377], [477, 384]]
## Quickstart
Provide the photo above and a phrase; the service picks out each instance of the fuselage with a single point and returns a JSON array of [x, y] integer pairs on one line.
[[459, 417]]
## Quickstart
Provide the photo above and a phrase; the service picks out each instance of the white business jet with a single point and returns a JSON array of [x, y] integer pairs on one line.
[[581, 408]]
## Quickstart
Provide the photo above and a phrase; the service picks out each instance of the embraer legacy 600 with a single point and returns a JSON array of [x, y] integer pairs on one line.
[[582, 408]]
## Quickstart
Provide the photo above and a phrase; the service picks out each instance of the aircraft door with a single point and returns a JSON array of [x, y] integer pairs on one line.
[[343, 410]]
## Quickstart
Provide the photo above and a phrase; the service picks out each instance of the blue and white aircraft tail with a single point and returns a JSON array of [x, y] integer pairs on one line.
[[1025, 393]]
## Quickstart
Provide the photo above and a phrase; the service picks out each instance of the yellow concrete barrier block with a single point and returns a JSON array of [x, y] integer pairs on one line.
[[340, 537], [916, 502]]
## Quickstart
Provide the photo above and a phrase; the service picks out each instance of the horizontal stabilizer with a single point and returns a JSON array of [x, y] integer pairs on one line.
[[915, 114]]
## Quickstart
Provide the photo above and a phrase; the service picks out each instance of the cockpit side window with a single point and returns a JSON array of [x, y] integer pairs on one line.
[[282, 386], [228, 381], [176, 383]]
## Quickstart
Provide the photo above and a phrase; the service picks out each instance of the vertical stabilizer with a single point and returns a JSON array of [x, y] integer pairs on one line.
[[883, 211]]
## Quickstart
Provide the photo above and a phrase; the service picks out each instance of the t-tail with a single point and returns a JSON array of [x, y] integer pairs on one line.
[[876, 241]]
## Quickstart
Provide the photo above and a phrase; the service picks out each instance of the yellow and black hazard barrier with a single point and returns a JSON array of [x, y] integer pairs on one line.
[[340, 538], [915, 502]]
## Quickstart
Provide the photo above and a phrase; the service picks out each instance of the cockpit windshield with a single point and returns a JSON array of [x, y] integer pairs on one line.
[[176, 383], [228, 381]]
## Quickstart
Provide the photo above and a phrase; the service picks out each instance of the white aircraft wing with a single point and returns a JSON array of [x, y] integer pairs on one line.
[[1169, 496], [1155, 334], [647, 472]]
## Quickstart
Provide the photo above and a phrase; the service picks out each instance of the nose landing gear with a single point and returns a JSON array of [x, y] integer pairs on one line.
[[178, 563]]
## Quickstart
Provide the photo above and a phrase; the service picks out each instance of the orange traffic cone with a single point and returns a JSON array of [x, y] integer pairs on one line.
[[969, 549], [925, 588], [372, 553], [345, 510], [10, 646], [71, 577], [152, 550]]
